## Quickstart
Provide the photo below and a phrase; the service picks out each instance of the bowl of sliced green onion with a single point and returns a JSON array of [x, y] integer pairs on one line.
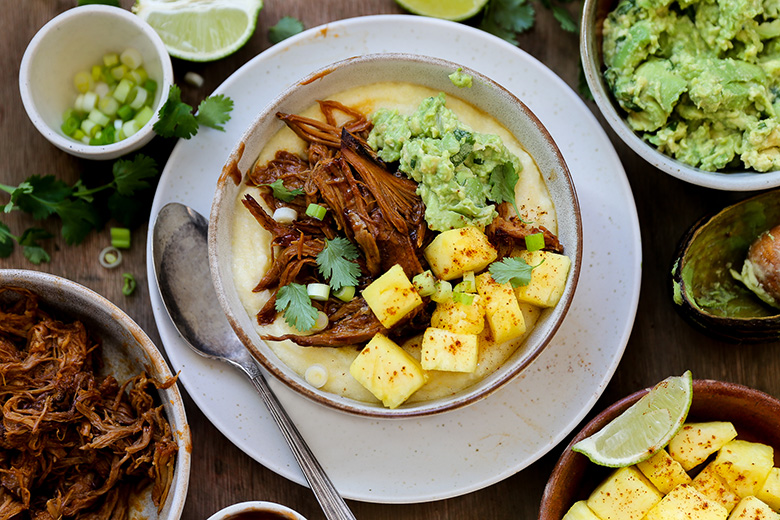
[[92, 81]]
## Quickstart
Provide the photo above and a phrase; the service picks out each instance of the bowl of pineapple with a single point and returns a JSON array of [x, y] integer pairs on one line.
[[719, 466], [395, 236]]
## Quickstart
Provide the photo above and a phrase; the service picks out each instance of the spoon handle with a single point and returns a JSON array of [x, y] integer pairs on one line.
[[331, 502]]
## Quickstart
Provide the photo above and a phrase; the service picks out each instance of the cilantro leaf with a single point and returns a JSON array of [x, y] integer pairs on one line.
[[503, 179], [175, 117], [294, 301], [78, 219], [39, 196], [334, 263], [281, 192], [131, 175], [287, 26], [30, 247], [6, 241], [214, 111], [565, 19], [505, 18], [513, 270]]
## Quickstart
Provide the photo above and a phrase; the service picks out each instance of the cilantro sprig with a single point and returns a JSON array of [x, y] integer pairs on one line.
[[335, 263], [282, 192], [507, 18], [503, 179], [513, 270], [293, 300], [47, 196], [286, 26], [176, 118]]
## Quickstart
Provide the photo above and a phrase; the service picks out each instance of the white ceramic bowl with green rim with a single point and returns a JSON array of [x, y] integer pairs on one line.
[[74, 41], [433, 73]]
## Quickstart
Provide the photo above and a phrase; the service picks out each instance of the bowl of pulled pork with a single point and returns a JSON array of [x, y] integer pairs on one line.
[[395, 236], [93, 423]]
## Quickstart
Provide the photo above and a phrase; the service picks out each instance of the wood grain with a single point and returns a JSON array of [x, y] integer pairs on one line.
[[661, 343]]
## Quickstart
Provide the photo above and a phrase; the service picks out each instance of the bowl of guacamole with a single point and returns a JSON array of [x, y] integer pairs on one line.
[[395, 236], [691, 86]]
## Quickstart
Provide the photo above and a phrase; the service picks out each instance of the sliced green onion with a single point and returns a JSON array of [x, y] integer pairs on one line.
[[131, 58], [534, 242], [110, 257], [285, 215], [468, 284], [119, 72], [120, 237], [70, 125], [316, 211], [139, 75], [97, 72], [318, 291], [98, 117], [143, 116], [90, 128], [316, 375], [150, 85], [111, 59], [89, 101], [130, 127], [425, 283], [108, 105], [463, 297], [129, 284], [102, 89], [443, 291], [83, 81], [194, 79], [123, 90], [125, 113], [321, 323], [345, 293], [139, 97]]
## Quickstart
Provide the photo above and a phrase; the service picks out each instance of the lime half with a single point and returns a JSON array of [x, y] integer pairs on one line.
[[646, 427], [201, 30], [455, 10]]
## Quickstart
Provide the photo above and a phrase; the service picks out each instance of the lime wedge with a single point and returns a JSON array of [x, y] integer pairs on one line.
[[455, 10], [201, 30], [646, 427]]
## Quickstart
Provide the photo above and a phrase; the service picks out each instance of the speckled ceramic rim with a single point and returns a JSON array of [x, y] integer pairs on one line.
[[431, 72], [113, 23], [590, 53], [100, 315], [755, 414], [256, 507]]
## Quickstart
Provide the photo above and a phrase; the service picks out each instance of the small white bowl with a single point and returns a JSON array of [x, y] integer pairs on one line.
[[73, 41], [256, 510], [593, 14]]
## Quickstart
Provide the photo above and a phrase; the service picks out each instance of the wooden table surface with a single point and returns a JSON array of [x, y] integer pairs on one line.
[[661, 344]]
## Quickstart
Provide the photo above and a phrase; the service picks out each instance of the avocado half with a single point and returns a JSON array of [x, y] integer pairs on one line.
[[703, 289]]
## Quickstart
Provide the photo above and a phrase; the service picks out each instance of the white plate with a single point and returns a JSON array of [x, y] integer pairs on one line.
[[418, 460]]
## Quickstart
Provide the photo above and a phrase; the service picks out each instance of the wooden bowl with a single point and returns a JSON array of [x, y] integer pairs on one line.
[[755, 415]]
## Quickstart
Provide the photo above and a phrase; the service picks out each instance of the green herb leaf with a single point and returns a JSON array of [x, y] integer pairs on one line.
[[513, 270], [565, 19], [214, 111], [281, 192], [31, 249], [39, 196], [78, 219], [131, 175], [334, 263], [287, 26], [7, 240], [176, 118], [294, 301], [506, 18], [503, 179]]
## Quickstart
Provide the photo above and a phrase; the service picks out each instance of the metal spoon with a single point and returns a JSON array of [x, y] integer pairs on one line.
[[179, 250]]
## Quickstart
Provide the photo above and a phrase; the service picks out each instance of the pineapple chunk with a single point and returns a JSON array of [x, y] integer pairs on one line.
[[460, 317], [580, 511], [709, 484], [685, 503], [770, 490], [751, 508], [625, 495], [387, 371], [697, 441], [501, 308], [391, 296], [663, 471], [449, 351], [457, 251], [744, 466], [548, 278]]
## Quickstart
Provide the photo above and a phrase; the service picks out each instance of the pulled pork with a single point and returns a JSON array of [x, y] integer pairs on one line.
[[72, 444]]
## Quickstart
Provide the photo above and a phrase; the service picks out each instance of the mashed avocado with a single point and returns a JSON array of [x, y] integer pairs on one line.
[[699, 78], [457, 170]]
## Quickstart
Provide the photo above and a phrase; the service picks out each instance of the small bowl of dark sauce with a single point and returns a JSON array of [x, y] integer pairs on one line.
[[256, 510]]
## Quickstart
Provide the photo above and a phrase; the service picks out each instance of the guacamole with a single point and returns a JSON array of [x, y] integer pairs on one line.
[[699, 79], [456, 168]]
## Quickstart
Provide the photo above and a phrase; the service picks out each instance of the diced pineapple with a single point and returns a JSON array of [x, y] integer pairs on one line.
[[502, 310], [460, 317], [685, 503], [625, 495], [457, 251], [391, 296], [387, 371], [663, 471], [696, 441], [449, 351], [709, 484], [548, 278], [770, 490], [744, 466], [580, 511], [751, 508]]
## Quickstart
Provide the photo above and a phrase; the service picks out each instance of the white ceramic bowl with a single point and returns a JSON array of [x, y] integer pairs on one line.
[[593, 14], [256, 510], [73, 41], [126, 352], [429, 72]]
